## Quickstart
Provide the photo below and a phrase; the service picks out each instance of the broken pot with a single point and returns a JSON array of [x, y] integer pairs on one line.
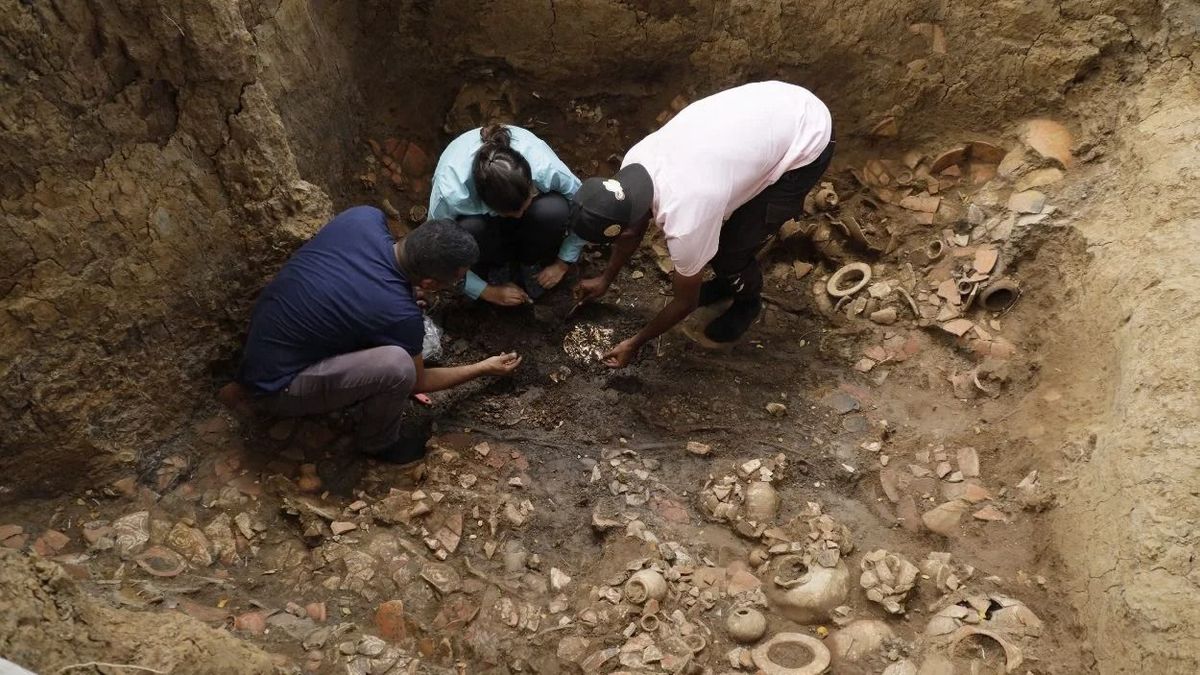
[[644, 586], [761, 502], [807, 593]]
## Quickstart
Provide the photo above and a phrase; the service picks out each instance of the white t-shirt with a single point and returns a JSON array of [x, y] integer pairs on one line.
[[720, 152]]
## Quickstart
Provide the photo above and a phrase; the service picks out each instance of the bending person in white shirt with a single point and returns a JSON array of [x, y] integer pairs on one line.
[[720, 179]]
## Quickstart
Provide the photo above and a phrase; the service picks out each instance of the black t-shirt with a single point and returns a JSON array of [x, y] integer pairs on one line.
[[341, 292]]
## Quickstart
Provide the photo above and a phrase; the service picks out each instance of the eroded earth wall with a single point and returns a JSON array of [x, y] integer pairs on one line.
[[147, 185], [153, 159]]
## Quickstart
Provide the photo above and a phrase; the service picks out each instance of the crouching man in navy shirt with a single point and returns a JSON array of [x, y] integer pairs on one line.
[[340, 326]]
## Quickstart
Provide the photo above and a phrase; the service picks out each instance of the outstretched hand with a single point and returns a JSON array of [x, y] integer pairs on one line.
[[588, 290], [552, 274], [621, 355], [505, 295], [501, 364]]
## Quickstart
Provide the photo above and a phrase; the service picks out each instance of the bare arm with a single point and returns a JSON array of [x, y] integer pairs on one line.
[[687, 296], [437, 379]]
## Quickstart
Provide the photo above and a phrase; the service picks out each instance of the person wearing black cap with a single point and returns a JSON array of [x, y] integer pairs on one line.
[[720, 179]]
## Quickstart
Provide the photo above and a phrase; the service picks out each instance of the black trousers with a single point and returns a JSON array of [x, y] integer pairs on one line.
[[754, 223], [532, 239]]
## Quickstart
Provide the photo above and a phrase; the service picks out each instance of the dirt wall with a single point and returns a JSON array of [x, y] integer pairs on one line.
[[1127, 363], [148, 183], [156, 162]]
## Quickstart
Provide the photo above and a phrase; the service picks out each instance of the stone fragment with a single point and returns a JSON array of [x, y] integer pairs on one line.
[[990, 513], [1029, 201], [968, 462], [342, 527], [558, 579], [864, 365], [697, 448]]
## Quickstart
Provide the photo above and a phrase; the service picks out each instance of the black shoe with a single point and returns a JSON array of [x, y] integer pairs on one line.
[[714, 291], [735, 321], [410, 447]]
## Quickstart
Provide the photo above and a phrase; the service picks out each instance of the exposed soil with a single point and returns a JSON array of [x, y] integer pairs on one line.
[[191, 150]]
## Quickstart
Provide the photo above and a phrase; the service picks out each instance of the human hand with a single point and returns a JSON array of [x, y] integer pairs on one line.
[[588, 290], [621, 355], [500, 365], [552, 274], [507, 295]]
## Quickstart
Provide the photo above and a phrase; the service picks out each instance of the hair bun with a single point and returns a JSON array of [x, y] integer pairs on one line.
[[496, 135]]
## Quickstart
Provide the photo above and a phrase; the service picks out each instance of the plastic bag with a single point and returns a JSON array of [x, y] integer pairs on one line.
[[431, 349]]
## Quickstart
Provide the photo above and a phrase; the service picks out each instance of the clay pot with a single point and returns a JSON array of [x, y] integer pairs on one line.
[[999, 295], [860, 639], [649, 623], [762, 502], [849, 280], [746, 624], [806, 594], [645, 585], [818, 664]]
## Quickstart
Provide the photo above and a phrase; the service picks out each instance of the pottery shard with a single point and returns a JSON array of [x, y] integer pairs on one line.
[[1049, 139], [131, 533], [1029, 201], [886, 128], [572, 649], [958, 327], [944, 518], [390, 622], [985, 259], [948, 290], [886, 316], [947, 159], [191, 544], [1038, 178], [988, 153], [922, 203], [220, 533], [50, 543]]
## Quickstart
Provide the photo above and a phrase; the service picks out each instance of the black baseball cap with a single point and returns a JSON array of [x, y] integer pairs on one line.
[[603, 207]]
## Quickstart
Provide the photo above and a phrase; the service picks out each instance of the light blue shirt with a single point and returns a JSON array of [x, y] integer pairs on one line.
[[453, 193]]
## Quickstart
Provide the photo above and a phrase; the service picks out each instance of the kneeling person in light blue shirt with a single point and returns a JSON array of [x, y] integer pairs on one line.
[[507, 188]]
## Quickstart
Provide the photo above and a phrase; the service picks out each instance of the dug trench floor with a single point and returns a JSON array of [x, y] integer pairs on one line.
[[507, 550]]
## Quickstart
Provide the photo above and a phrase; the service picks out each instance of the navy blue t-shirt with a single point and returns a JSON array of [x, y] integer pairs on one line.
[[341, 292]]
